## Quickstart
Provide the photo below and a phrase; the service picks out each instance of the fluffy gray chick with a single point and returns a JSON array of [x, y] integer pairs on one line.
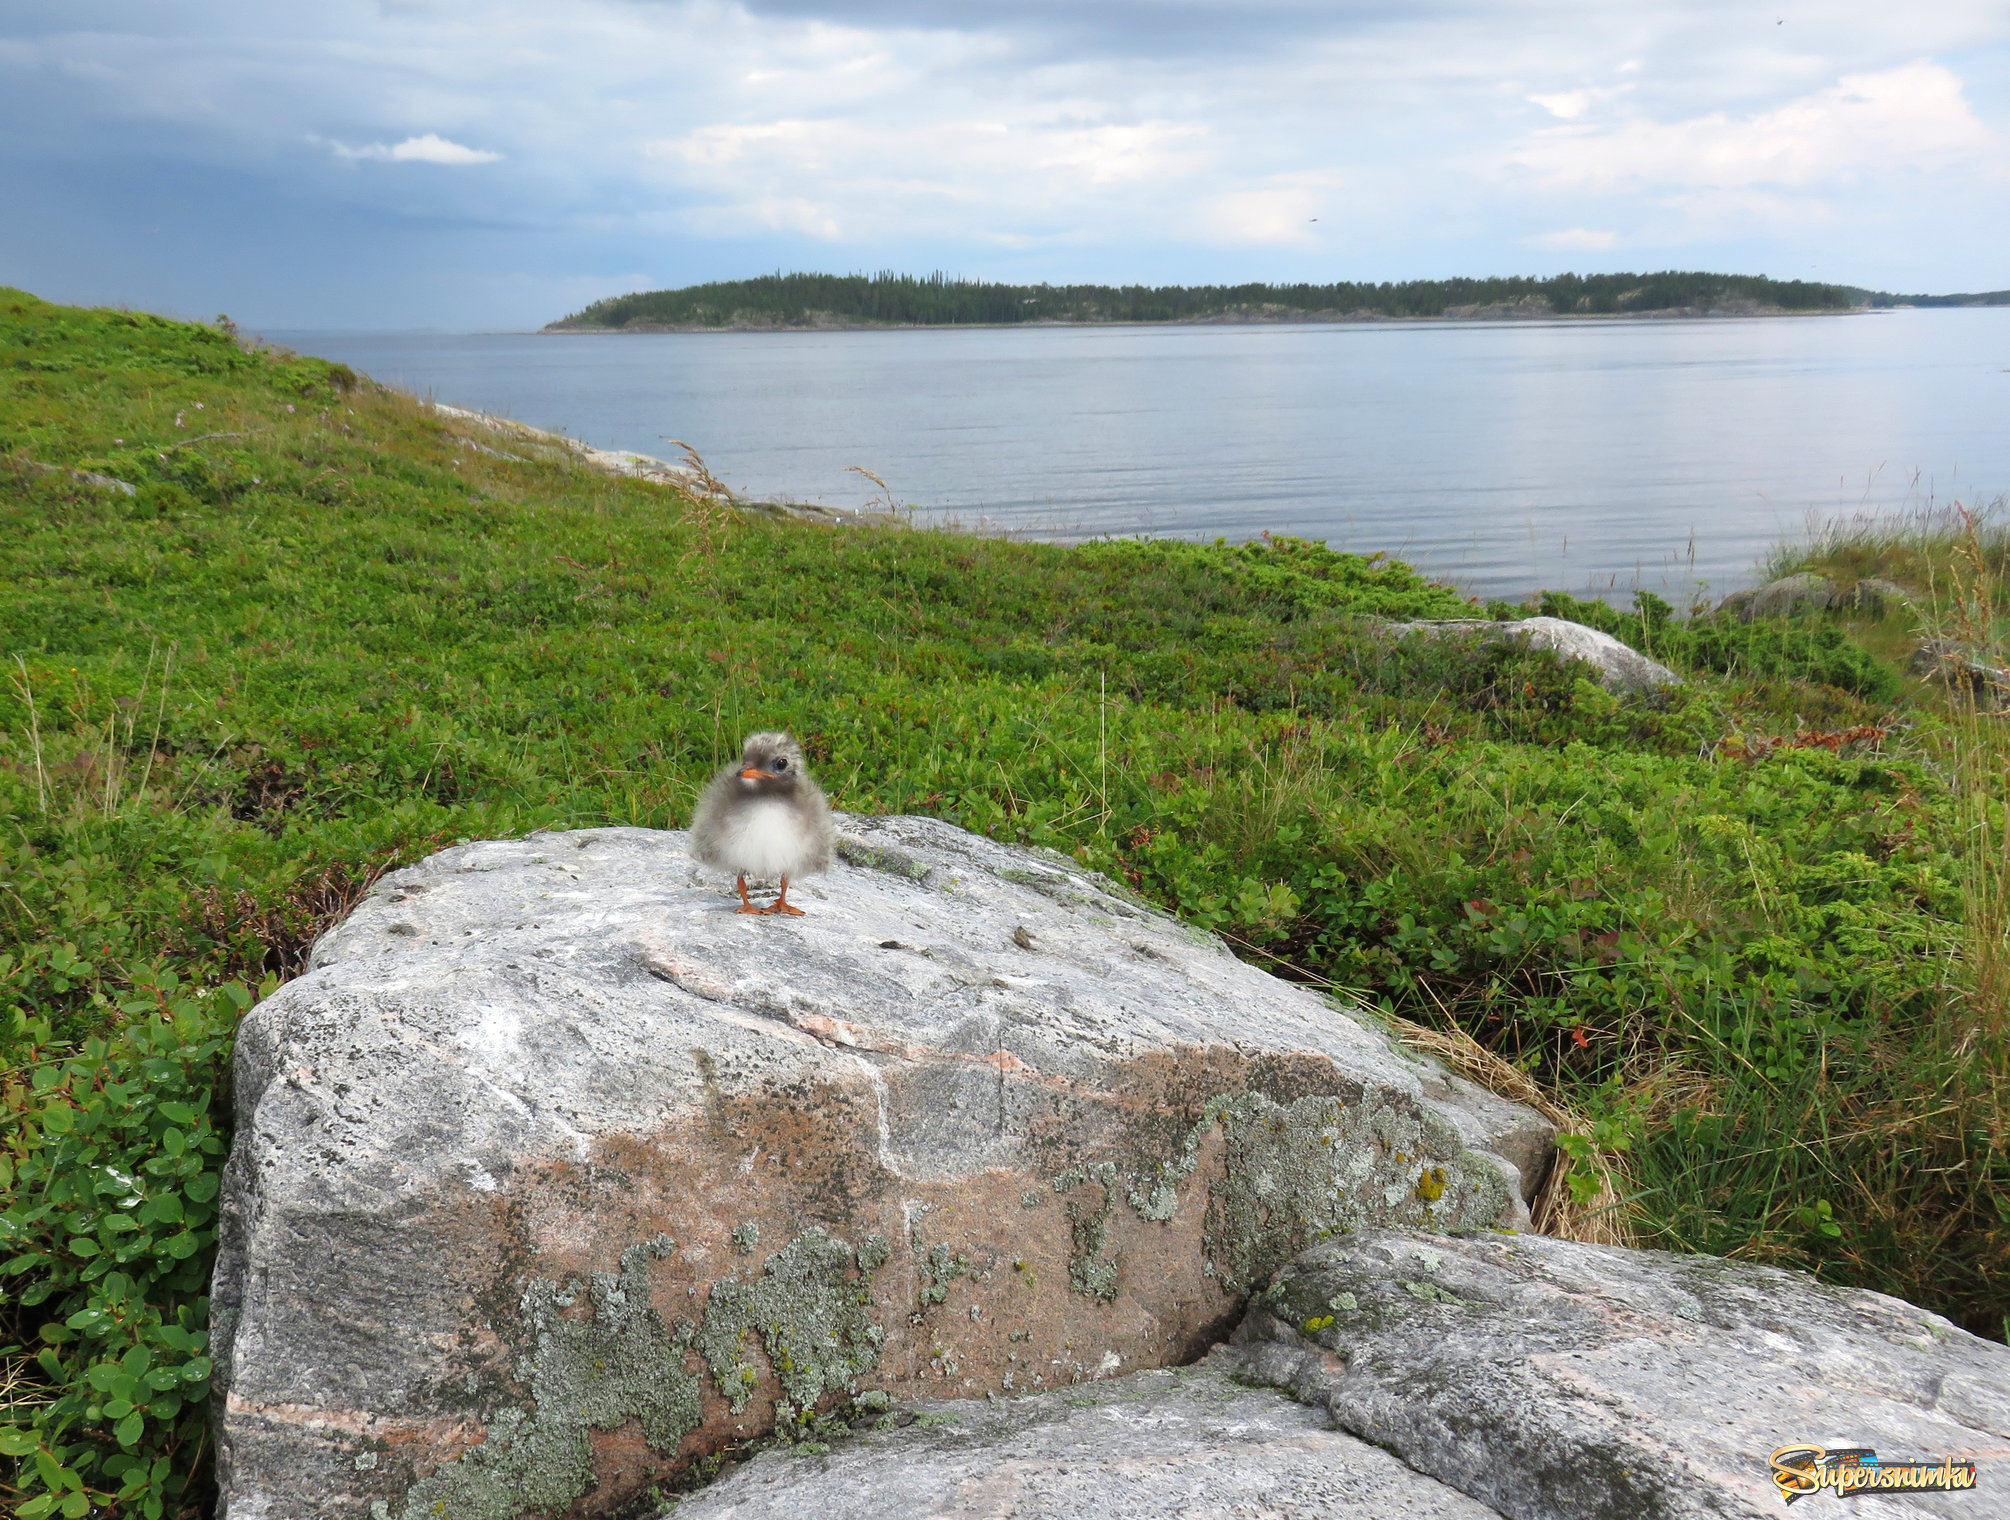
[[763, 816]]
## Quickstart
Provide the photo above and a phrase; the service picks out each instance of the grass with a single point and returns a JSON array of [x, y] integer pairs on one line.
[[1745, 938]]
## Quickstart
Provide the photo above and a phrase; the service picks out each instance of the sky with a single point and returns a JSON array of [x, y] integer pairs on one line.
[[446, 164]]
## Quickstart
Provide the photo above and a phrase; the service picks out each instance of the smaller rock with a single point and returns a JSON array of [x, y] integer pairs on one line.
[[1621, 668], [1876, 596], [1186, 1441], [1952, 663], [1796, 595], [1574, 1382], [86, 477]]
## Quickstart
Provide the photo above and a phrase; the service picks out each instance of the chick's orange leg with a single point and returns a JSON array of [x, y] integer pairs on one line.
[[781, 903], [746, 903]]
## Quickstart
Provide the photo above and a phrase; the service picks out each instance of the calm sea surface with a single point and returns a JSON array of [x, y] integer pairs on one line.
[[1575, 456]]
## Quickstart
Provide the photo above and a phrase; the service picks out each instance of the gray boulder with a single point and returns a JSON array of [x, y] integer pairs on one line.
[[1620, 667], [1955, 665], [1874, 596], [1557, 1381], [1184, 1444], [1796, 595], [554, 1172], [89, 478]]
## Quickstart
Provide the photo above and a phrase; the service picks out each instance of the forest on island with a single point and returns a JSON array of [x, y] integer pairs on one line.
[[937, 300]]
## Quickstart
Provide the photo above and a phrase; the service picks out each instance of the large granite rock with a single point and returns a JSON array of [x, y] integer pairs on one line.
[[554, 1171], [1190, 1444], [1557, 1381], [1620, 667]]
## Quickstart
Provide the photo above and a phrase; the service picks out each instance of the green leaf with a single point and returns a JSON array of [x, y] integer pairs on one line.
[[83, 1245], [16, 1442], [181, 1246], [179, 1113], [57, 1118], [75, 1506], [130, 1428]]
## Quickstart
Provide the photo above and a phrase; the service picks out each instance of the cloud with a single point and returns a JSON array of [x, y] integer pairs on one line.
[[1166, 140], [1911, 118], [1026, 173], [1584, 239], [1567, 106], [429, 149]]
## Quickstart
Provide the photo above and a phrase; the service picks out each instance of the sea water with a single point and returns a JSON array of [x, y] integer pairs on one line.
[[1586, 456]]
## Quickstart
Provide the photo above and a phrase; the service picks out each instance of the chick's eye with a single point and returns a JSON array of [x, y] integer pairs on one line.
[[781, 765]]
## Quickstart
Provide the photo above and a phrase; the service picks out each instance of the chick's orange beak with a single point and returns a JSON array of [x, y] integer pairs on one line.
[[755, 773]]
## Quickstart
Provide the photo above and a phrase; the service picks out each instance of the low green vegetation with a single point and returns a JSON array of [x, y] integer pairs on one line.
[[807, 300], [1749, 930]]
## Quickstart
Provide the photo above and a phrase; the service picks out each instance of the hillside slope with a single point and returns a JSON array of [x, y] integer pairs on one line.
[[329, 629]]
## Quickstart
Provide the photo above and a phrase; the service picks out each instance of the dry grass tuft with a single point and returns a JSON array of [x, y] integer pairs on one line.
[[1599, 1221]]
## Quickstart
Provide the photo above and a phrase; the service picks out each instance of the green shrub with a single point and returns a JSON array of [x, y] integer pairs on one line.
[[112, 1176], [1798, 649]]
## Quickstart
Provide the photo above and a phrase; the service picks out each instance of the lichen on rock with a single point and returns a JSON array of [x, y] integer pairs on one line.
[[811, 1307], [936, 1267], [1301, 1172], [583, 1374], [1293, 1173], [1092, 1269]]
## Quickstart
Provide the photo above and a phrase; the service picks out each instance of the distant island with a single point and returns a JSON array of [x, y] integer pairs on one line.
[[823, 301]]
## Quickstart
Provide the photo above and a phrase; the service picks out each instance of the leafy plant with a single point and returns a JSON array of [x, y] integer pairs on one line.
[[113, 1174]]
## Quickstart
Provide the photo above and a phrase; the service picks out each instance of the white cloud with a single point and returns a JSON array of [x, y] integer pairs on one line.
[[1111, 153], [1030, 170], [1567, 106], [1582, 239], [429, 149], [1910, 118]]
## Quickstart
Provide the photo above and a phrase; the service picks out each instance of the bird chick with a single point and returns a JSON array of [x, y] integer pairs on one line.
[[763, 816]]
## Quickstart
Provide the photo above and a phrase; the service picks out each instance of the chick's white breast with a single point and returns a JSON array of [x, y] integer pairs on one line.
[[765, 839]]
